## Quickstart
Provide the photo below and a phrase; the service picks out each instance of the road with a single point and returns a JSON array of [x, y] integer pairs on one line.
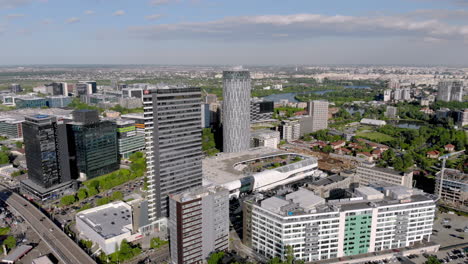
[[61, 245]]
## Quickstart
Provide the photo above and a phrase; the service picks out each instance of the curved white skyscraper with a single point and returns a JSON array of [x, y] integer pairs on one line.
[[236, 110]]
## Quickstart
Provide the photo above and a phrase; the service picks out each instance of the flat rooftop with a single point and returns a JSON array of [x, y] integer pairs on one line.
[[109, 220], [306, 202], [221, 168], [454, 175], [20, 114]]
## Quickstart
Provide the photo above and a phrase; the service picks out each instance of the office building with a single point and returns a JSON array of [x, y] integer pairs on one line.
[[450, 91], [454, 189], [129, 139], [290, 130], [391, 112], [50, 168], [134, 92], [94, 143], [372, 220], [173, 144], [206, 115], [257, 169], [317, 118], [15, 88], [57, 89], [369, 173], [58, 101], [236, 110], [265, 138], [30, 102], [198, 224], [139, 120], [83, 88], [261, 111], [11, 128]]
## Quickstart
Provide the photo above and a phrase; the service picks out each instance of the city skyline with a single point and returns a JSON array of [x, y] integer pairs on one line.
[[403, 32]]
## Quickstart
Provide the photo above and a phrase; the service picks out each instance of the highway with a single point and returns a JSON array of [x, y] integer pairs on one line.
[[61, 245]]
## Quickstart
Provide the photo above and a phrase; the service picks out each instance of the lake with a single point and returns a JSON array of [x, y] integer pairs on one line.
[[406, 124]]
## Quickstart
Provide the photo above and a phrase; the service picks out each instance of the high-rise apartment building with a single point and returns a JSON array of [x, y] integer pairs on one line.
[[317, 118], [47, 155], [462, 117], [450, 91], [173, 144], [198, 224], [94, 143], [236, 110], [373, 220]]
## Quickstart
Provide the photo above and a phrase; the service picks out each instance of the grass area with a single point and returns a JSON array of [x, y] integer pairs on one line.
[[375, 136]]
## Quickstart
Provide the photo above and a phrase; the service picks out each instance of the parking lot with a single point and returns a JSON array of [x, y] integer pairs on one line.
[[449, 232]]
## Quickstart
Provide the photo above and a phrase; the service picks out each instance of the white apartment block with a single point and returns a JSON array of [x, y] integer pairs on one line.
[[371, 221]]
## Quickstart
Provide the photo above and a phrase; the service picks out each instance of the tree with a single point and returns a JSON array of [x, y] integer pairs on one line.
[[156, 242], [92, 191], [208, 142], [289, 255], [10, 242], [4, 159], [327, 149], [19, 144], [68, 199], [82, 194], [215, 257], [432, 260], [117, 195]]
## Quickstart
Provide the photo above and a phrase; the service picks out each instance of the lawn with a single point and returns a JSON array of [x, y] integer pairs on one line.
[[375, 136]]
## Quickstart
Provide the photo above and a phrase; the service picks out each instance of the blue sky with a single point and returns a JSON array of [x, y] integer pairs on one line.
[[421, 32]]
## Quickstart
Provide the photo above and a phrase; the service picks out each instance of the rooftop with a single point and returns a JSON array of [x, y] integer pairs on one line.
[[109, 220], [384, 170], [227, 167], [454, 175], [196, 193], [306, 202]]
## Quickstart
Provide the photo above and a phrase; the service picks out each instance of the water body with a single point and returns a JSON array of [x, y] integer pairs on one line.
[[357, 87], [290, 96], [406, 124]]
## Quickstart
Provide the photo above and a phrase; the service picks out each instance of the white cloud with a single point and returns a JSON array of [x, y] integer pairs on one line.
[[119, 13], [153, 17], [89, 12], [162, 2], [72, 20], [300, 26], [13, 16], [443, 14]]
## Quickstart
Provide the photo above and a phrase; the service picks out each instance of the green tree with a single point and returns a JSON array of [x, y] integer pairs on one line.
[[19, 144], [92, 191], [4, 159], [327, 149], [10, 242], [208, 142], [215, 257], [68, 199], [117, 195], [156, 242], [432, 260], [289, 255], [82, 194]]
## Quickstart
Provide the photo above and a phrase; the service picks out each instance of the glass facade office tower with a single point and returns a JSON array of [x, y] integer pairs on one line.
[[236, 111], [173, 144], [94, 143], [47, 154]]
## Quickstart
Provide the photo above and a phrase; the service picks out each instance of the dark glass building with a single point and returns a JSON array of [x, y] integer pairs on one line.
[[47, 154], [94, 143]]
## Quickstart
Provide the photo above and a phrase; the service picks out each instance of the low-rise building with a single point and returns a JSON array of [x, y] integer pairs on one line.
[[264, 138], [433, 154], [369, 173], [108, 225], [129, 139], [198, 223], [257, 169], [372, 220], [373, 122]]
